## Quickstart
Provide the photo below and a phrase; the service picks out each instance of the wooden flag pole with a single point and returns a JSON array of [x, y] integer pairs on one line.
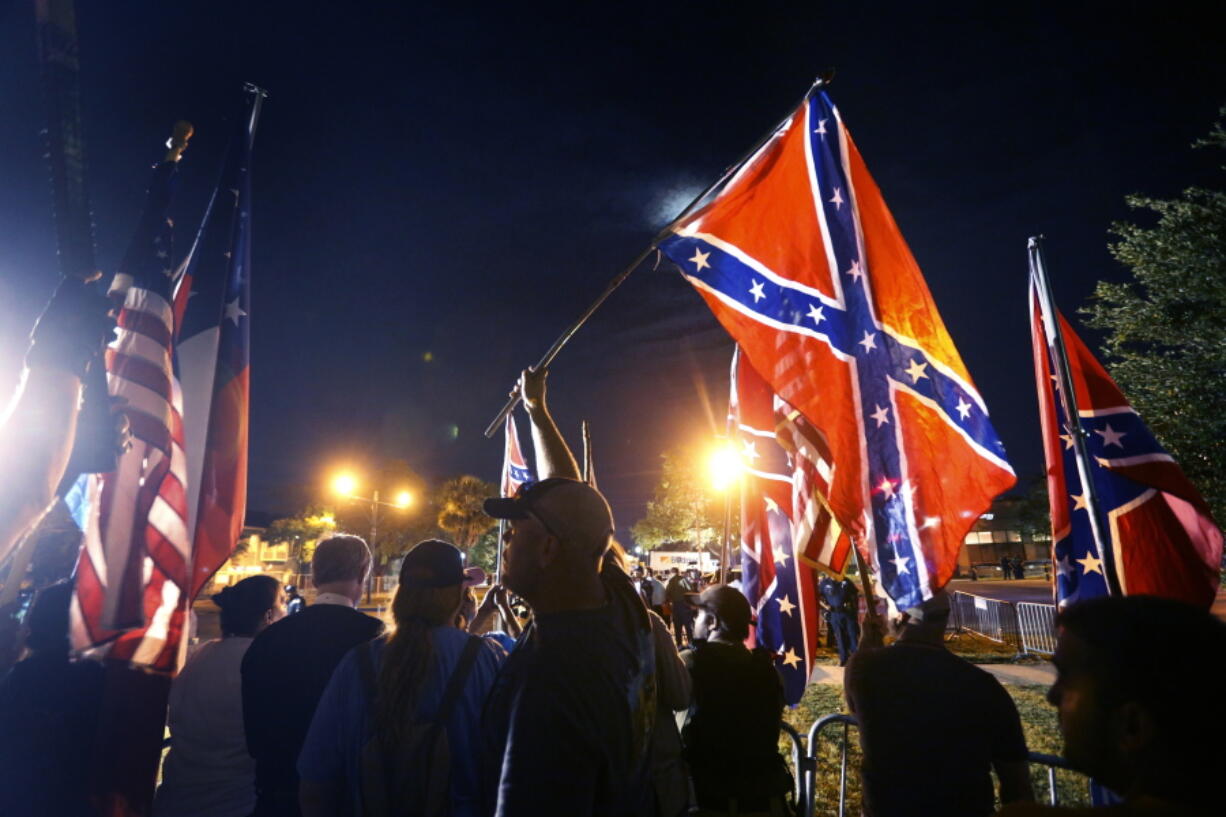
[[823, 80]]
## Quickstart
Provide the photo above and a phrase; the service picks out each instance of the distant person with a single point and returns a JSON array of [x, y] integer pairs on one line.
[[569, 724], [294, 602], [49, 708], [1006, 567], [652, 591], [731, 734], [397, 727], [208, 772], [288, 665], [677, 593], [933, 727], [1148, 728], [1019, 568], [841, 617]]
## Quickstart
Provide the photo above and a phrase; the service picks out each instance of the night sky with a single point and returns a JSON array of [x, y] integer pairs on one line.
[[440, 190]]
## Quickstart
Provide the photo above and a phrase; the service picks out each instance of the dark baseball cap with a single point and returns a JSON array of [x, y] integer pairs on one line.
[[432, 563], [577, 511], [727, 604]]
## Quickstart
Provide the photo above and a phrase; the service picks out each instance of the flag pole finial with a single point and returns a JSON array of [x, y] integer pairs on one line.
[[177, 143]]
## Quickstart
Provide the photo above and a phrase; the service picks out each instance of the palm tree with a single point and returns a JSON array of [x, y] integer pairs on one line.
[[459, 509]]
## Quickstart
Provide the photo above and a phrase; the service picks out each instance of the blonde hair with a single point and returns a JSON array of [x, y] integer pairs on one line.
[[339, 558]]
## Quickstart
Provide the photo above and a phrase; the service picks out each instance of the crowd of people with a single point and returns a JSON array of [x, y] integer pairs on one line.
[[590, 706]]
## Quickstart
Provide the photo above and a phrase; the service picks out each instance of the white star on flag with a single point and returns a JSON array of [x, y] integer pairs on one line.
[[964, 408], [786, 607], [815, 312], [1091, 564], [791, 659], [1079, 502], [881, 415], [782, 557], [771, 505], [233, 312], [887, 488], [700, 260], [837, 199], [751, 451], [1065, 566], [756, 291], [916, 370], [900, 564], [856, 271], [869, 343], [1111, 436], [820, 130]]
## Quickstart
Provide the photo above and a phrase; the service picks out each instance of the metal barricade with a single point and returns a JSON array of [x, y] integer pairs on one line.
[[1054, 762], [800, 761], [991, 618], [808, 805], [1036, 624]]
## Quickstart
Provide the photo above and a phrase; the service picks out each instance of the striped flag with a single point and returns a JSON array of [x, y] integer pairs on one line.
[[802, 263], [515, 470], [778, 516], [1152, 532], [159, 526]]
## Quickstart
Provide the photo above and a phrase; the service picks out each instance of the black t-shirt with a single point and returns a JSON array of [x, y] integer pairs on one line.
[[931, 725], [285, 671], [732, 733], [569, 721], [48, 717]]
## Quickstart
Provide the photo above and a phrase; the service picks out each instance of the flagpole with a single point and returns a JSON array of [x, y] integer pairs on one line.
[[824, 79], [1068, 400]]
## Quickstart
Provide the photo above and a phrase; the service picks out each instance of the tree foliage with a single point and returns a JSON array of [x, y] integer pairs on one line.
[[1166, 329], [685, 508], [460, 513]]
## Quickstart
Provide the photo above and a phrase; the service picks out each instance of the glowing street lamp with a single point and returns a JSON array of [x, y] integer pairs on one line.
[[344, 484], [724, 468], [404, 499]]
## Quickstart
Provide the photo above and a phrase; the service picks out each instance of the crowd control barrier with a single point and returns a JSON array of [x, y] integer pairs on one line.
[[807, 764], [1036, 624]]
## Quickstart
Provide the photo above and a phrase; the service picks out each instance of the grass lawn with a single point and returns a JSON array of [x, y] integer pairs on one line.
[[1038, 721]]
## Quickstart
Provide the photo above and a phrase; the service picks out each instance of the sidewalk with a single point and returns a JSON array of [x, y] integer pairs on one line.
[[1019, 674]]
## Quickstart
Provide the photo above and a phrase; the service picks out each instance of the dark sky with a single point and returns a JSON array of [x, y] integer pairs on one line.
[[440, 189]]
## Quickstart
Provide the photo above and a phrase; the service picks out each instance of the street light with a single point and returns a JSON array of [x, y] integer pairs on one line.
[[345, 484], [724, 468]]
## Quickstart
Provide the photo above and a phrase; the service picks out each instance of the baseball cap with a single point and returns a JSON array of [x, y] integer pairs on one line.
[[432, 563], [727, 604], [586, 515]]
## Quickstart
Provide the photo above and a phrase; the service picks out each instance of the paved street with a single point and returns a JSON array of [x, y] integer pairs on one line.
[[1032, 590]]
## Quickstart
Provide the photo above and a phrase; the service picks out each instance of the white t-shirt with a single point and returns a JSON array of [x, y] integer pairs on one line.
[[208, 772]]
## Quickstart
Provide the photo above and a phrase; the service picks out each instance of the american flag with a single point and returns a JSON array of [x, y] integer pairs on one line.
[[515, 470], [1157, 536], [776, 513], [802, 263], [159, 526]]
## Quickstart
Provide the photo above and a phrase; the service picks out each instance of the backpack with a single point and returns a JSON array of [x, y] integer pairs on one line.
[[415, 779]]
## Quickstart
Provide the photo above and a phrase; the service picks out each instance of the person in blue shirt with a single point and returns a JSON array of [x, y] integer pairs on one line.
[[411, 670]]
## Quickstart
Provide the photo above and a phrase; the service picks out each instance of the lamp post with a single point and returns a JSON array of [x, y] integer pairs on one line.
[[724, 466], [344, 485]]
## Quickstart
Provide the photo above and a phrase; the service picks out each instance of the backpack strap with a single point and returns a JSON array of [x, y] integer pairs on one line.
[[366, 673], [459, 676]]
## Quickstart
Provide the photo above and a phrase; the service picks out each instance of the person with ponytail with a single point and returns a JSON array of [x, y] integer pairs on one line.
[[391, 699], [208, 770]]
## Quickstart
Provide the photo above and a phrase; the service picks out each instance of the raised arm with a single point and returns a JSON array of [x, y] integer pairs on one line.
[[553, 455]]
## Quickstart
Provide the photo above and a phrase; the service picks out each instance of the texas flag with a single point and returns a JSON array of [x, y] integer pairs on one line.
[[1154, 532], [800, 260]]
